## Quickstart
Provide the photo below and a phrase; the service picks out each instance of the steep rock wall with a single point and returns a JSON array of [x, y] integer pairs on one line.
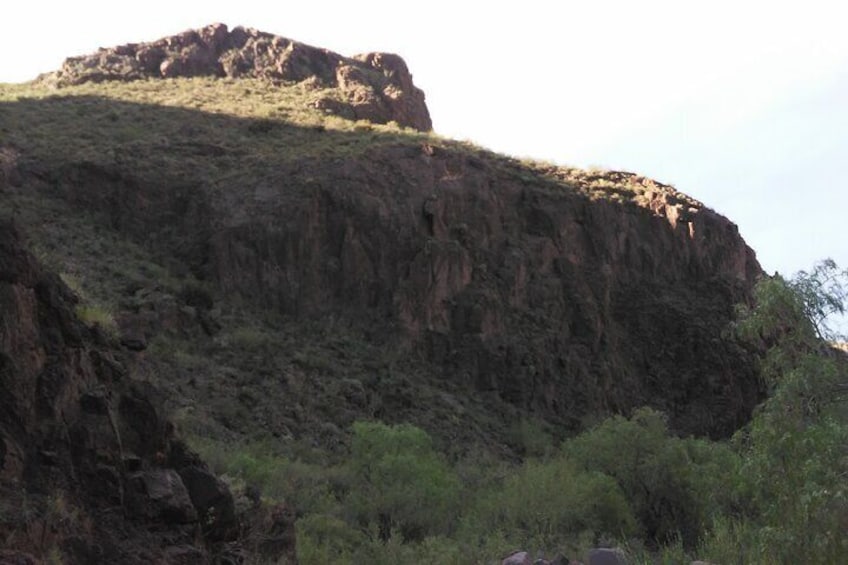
[[538, 286], [561, 303]]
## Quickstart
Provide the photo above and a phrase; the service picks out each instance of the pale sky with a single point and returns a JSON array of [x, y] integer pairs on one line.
[[743, 105]]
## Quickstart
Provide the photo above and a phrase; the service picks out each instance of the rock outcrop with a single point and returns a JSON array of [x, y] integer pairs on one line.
[[561, 302], [374, 86], [89, 470]]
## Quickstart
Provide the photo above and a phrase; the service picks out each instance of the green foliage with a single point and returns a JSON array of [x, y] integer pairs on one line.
[[667, 481], [309, 487], [544, 503], [822, 292], [400, 482], [97, 316], [792, 479], [322, 538], [531, 439], [397, 551]]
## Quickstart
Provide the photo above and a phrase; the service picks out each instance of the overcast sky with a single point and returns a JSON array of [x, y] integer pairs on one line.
[[743, 105]]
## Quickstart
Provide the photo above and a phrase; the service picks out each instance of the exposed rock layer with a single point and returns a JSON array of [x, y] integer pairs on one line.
[[373, 86]]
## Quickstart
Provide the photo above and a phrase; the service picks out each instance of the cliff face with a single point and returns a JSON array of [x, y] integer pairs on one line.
[[562, 304], [535, 285], [89, 469]]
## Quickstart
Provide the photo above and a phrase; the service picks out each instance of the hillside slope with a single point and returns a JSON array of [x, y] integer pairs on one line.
[[282, 271], [90, 470]]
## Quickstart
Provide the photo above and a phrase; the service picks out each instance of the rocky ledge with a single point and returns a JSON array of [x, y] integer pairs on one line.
[[374, 86]]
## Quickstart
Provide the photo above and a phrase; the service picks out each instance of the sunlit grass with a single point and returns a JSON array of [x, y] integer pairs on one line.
[[212, 130]]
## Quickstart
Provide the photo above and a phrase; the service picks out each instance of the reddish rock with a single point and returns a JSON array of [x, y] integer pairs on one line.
[[532, 285], [376, 86]]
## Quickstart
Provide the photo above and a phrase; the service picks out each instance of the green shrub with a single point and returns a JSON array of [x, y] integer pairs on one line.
[[399, 482], [97, 316], [661, 476], [794, 449], [397, 551], [322, 539], [544, 504], [531, 439], [307, 487]]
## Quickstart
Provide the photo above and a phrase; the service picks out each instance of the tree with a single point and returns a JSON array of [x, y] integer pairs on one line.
[[795, 456], [400, 482]]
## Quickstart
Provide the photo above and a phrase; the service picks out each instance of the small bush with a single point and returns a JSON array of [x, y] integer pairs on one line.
[[97, 316], [322, 539], [531, 439]]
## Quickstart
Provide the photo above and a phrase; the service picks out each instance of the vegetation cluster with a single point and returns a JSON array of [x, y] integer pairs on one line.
[[774, 493]]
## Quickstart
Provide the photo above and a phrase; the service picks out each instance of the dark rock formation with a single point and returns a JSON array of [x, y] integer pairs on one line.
[[89, 470], [374, 86], [559, 303], [535, 286], [606, 556]]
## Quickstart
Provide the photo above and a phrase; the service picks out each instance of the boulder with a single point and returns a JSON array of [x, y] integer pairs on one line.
[[213, 501], [518, 558], [606, 556], [161, 494]]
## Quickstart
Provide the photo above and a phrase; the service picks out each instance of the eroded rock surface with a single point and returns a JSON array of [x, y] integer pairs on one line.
[[373, 86]]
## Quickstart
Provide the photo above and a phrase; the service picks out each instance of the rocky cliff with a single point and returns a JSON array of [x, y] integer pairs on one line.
[[374, 86], [542, 289], [90, 471], [510, 289]]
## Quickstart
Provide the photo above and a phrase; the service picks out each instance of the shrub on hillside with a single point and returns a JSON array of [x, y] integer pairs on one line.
[[399, 483], [544, 503], [672, 484]]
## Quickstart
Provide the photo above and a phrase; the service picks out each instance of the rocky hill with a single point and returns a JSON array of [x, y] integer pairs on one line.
[[373, 86], [242, 235]]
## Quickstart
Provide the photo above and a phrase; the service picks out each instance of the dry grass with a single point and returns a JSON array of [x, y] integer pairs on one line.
[[211, 130]]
